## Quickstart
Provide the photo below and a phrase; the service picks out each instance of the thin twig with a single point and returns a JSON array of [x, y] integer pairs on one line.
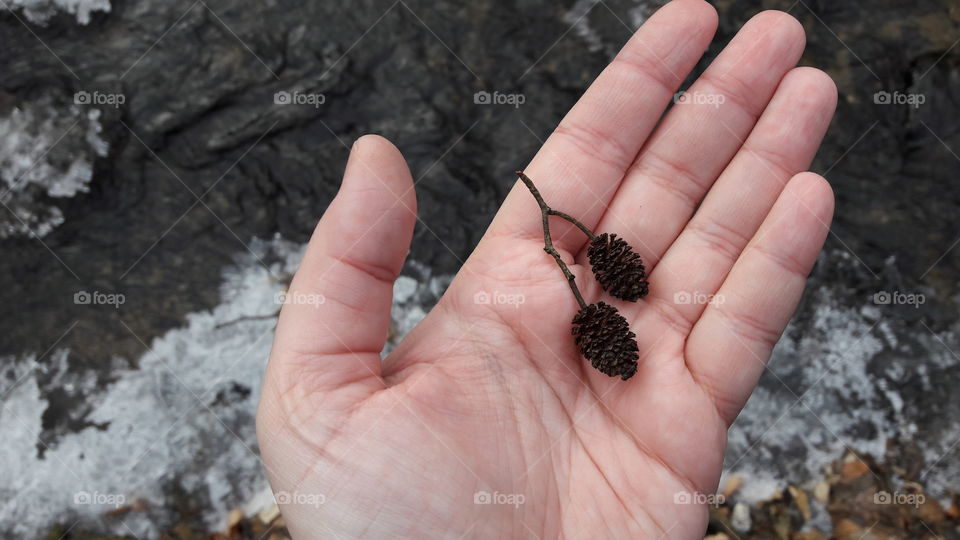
[[573, 220], [248, 318], [545, 213]]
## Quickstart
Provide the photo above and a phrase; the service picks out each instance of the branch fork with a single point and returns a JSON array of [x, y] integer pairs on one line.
[[601, 334]]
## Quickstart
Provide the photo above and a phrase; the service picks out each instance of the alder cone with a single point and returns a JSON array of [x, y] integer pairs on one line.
[[605, 339], [617, 267]]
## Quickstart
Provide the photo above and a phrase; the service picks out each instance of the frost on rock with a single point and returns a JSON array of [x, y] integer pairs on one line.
[[46, 152], [41, 11], [848, 375], [183, 416], [580, 18]]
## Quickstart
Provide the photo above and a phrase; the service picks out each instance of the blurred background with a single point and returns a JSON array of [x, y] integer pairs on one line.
[[163, 163]]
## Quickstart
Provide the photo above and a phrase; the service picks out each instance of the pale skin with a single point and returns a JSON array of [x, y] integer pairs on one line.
[[494, 397]]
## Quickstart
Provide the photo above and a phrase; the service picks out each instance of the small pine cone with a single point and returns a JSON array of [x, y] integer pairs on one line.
[[617, 267], [604, 338]]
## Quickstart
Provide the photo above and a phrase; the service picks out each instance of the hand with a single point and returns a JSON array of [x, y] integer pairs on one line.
[[494, 397]]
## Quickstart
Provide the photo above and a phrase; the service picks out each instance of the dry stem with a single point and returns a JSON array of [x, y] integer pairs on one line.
[[545, 213]]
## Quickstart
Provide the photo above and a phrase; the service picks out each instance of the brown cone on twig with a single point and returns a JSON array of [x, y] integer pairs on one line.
[[600, 332], [617, 267], [605, 339]]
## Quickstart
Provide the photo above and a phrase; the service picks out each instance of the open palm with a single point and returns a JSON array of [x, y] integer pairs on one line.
[[485, 421]]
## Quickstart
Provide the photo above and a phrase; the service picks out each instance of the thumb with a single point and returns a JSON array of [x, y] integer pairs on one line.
[[335, 319]]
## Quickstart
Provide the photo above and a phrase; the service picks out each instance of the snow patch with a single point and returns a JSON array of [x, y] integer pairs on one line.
[[46, 152], [579, 18], [640, 13], [845, 377], [185, 415], [799, 418], [41, 11]]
